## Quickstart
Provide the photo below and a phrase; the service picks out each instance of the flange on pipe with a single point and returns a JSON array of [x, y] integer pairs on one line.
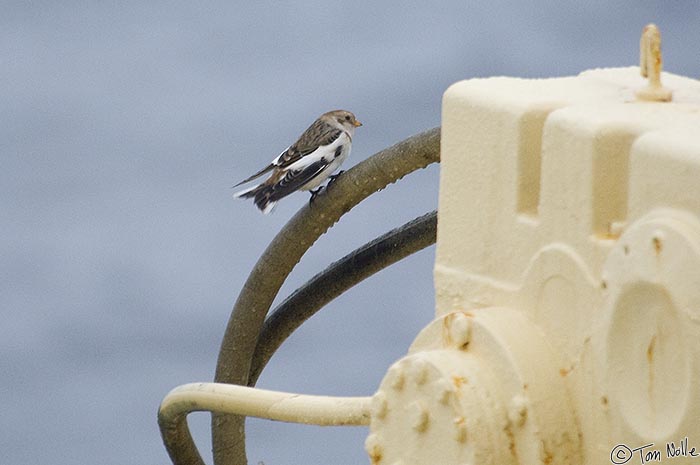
[[646, 340], [479, 386]]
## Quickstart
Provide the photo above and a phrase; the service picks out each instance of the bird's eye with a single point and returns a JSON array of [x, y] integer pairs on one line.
[[347, 117]]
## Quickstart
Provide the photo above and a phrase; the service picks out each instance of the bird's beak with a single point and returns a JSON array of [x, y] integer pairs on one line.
[[357, 124]]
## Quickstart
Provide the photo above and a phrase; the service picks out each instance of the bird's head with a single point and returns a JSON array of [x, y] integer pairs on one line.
[[343, 119]]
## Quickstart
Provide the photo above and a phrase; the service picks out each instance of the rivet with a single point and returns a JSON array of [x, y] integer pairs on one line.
[[396, 377], [517, 411], [421, 417], [420, 371], [460, 429], [373, 448], [445, 391], [460, 330], [379, 405]]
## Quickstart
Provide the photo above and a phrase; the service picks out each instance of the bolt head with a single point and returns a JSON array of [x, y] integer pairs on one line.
[[373, 448], [445, 391], [460, 434], [397, 377], [420, 417], [379, 406], [421, 371], [460, 331], [517, 410]]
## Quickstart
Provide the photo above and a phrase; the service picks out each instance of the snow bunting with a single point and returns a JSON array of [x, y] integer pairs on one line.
[[307, 163]]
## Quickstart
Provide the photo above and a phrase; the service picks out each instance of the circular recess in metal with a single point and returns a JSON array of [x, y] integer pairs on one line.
[[650, 326]]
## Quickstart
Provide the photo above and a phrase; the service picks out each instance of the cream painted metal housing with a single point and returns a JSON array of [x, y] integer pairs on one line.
[[567, 281]]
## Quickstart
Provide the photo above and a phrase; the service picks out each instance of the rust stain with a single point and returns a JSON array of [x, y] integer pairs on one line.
[[650, 350], [447, 339], [604, 400], [459, 381], [658, 245], [608, 235], [548, 457], [511, 440], [565, 371], [375, 456]]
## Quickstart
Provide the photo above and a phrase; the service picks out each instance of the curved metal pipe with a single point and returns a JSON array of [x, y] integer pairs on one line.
[[335, 280], [283, 321], [262, 403], [266, 278], [280, 257]]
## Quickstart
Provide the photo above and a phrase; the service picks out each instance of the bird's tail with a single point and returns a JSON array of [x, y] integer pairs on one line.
[[261, 195], [247, 193], [256, 175]]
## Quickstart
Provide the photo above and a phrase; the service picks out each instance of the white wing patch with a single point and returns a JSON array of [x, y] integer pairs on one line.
[[326, 152], [276, 161], [311, 169]]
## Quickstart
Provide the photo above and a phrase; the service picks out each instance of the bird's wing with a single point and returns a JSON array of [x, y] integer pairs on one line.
[[317, 135], [293, 179]]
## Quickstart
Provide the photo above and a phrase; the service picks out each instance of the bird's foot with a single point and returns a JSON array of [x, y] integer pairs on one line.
[[320, 190], [314, 194], [333, 177]]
